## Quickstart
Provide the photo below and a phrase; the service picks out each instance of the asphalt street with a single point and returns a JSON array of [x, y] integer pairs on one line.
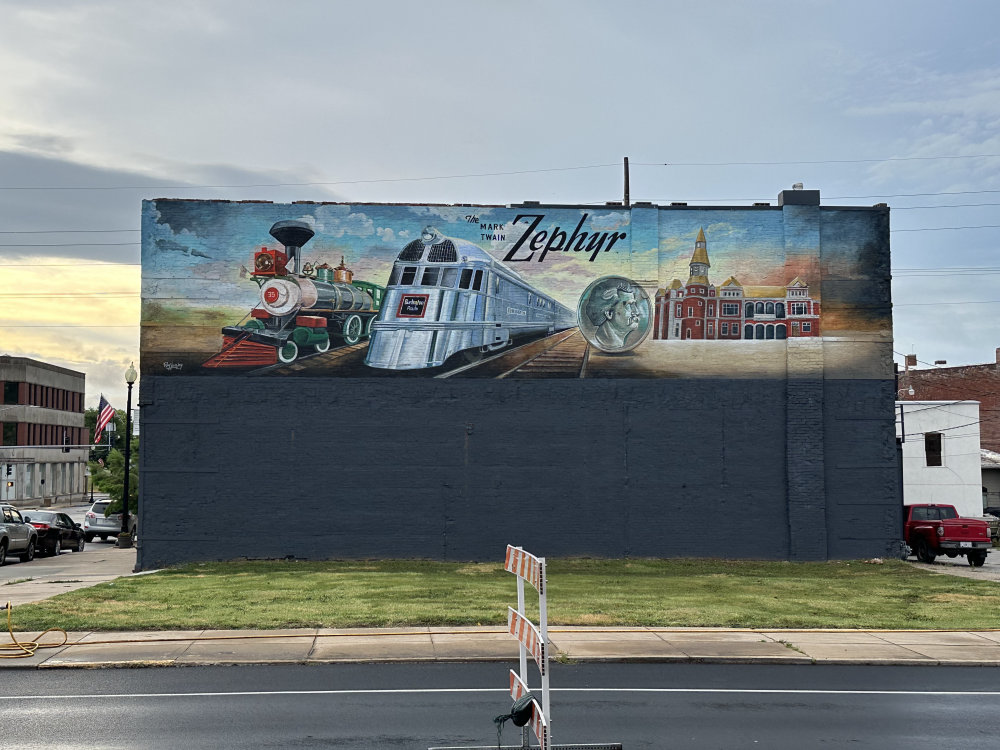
[[369, 706]]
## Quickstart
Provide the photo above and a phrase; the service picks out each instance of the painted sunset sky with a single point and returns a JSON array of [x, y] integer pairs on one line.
[[192, 251]]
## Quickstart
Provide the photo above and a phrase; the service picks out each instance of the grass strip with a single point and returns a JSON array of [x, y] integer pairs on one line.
[[393, 593]]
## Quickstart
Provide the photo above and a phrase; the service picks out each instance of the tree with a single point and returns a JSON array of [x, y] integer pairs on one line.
[[110, 478]]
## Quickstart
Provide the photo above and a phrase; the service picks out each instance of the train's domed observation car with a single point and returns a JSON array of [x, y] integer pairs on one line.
[[447, 295]]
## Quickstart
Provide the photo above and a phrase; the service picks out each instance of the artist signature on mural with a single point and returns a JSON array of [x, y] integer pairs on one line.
[[171, 366]]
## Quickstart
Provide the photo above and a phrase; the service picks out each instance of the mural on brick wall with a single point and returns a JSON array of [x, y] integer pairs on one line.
[[498, 292]]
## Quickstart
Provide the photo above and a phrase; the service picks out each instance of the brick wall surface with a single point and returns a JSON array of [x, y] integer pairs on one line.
[[455, 470], [970, 383]]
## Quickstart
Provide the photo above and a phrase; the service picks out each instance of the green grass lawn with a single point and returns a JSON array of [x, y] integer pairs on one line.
[[279, 594]]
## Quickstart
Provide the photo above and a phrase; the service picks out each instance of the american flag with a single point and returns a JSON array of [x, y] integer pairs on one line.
[[104, 414]]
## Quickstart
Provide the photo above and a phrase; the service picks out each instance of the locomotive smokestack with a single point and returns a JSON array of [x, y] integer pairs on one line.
[[293, 235]]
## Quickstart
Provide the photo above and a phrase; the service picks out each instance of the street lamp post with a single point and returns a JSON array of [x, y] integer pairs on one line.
[[125, 538]]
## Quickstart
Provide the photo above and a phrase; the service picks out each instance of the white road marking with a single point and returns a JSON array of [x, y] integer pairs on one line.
[[405, 691]]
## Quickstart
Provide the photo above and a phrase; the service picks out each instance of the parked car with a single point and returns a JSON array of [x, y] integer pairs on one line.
[[16, 536], [933, 530], [994, 511], [96, 523], [56, 531]]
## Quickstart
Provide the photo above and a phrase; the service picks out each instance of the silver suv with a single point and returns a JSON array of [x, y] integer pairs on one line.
[[95, 523], [16, 536]]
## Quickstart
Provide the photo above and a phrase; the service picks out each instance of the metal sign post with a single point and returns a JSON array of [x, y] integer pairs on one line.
[[534, 641]]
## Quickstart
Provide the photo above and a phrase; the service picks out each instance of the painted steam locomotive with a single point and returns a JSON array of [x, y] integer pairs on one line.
[[300, 308], [448, 295]]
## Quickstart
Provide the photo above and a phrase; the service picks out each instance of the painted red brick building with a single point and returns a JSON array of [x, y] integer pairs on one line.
[[700, 310], [969, 383]]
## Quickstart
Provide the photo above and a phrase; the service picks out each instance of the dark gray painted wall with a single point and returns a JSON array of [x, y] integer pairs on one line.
[[455, 470]]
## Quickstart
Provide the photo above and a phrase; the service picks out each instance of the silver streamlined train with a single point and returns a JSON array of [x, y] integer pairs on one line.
[[448, 295]]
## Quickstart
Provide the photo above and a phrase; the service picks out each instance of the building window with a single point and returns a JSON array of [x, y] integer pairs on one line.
[[749, 315], [797, 308], [679, 313], [747, 334], [10, 396], [779, 333], [768, 310], [805, 327], [711, 311], [728, 308], [10, 435], [724, 331], [779, 310], [932, 448]]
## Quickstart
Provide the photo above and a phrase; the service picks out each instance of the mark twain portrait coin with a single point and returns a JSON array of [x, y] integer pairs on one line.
[[614, 314]]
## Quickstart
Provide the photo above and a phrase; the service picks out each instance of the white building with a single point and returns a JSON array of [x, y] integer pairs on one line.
[[941, 458]]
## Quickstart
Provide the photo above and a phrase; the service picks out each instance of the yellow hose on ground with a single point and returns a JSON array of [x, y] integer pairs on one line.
[[27, 648]]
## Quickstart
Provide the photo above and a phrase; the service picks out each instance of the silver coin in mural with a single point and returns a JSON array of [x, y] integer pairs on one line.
[[615, 314]]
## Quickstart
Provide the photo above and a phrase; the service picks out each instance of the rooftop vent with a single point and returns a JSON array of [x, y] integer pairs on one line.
[[798, 197]]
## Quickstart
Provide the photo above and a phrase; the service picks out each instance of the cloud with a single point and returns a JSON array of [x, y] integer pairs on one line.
[[338, 221], [454, 214]]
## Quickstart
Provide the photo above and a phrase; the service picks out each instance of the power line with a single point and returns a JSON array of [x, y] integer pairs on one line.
[[74, 244], [941, 229], [75, 231], [14, 266], [904, 356], [70, 294], [838, 197], [308, 184], [69, 325], [959, 302], [514, 172], [820, 161], [949, 205]]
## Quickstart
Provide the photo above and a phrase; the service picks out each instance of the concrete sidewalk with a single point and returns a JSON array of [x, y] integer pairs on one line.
[[46, 577], [320, 645]]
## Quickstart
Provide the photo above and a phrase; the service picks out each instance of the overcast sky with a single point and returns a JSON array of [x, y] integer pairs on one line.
[[103, 104]]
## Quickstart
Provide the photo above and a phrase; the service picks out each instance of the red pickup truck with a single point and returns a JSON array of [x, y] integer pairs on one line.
[[933, 530]]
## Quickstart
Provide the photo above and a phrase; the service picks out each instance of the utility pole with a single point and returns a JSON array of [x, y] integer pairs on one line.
[[626, 183]]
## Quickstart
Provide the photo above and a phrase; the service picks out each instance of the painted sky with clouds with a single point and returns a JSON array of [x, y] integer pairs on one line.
[[103, 104]]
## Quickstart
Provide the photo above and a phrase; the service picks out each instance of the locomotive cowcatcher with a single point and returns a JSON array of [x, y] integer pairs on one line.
[[301, 308]]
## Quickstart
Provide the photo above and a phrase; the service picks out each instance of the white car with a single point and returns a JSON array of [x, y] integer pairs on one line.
[[96, 523]]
